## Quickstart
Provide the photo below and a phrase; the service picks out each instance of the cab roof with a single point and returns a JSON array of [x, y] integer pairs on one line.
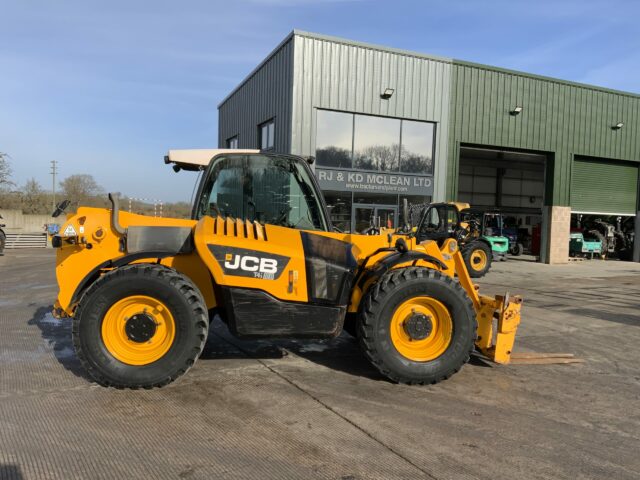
[[193, 159]]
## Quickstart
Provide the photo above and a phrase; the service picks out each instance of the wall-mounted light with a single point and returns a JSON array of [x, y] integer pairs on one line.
[[386, 95], [516, 111], [617, 126]]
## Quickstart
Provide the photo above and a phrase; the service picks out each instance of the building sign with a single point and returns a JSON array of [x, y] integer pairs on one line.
[[374, 182]]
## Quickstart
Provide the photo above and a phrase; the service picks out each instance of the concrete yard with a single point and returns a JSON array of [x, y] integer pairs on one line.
[[318, 410]]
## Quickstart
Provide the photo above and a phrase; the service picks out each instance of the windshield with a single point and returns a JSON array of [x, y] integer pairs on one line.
[[439, 219], [267, 189]]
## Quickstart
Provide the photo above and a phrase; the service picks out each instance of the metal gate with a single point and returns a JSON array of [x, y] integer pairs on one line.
[[26, 240]]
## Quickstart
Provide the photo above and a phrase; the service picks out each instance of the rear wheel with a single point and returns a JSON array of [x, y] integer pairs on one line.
[[140, 326], [477, 257], [624, 249], [417, 326], [3, 241], [517, 249], [625, 254]]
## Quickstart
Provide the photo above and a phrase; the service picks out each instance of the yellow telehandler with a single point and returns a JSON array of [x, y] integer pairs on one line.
[[260, 252]]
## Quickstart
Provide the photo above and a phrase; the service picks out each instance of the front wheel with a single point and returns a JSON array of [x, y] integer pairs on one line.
[[3, 242], [477, 257], [140, 326], [417, 326]]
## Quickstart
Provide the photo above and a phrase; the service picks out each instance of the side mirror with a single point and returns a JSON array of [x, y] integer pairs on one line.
[[60, 208]]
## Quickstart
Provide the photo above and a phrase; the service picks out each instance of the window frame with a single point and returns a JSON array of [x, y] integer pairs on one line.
[[402, 119], [207, 172], [235, 139], [270, 135], [433, 146]]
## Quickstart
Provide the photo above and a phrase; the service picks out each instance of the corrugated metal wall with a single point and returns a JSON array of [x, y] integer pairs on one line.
[[470, 104], [604, 186], [559, 117], [338, 75], [266, 93]]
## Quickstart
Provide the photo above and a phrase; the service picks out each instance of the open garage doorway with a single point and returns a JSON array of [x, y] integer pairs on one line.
[[512, 182], [604, 205]]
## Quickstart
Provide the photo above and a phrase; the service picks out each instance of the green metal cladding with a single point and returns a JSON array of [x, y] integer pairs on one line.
[[470, 104], [562, 118]]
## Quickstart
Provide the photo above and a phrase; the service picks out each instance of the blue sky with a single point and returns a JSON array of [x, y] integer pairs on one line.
[[107, 87]]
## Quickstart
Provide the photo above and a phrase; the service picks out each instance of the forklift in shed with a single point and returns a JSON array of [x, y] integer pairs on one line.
[[260, 252]]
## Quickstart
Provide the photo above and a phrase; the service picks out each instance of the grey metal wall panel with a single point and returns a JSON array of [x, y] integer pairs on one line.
[[266, 93], [338, 75], [564, 118]]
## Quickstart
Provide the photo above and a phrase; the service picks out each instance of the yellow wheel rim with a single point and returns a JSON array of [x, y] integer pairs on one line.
[[138, 330], [478, 259], [408, 332]]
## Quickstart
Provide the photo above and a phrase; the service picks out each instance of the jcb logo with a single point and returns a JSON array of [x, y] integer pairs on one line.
[[243, 262], [251, 264]]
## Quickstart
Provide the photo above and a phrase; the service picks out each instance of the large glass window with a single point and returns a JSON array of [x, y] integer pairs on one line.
[[334, 139], [267, 135], [354, 211], [367, 142], [267, 189], [376, 143], [416, 203], [375, 198], [339, 206], [416, 155]]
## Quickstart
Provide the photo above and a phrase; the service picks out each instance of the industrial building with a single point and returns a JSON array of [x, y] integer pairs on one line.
[[387, 124]]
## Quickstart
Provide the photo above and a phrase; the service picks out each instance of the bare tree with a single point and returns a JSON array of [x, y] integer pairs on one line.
[[34, 198], [377, 157], [334, 157], [81, 189], [5, 171]]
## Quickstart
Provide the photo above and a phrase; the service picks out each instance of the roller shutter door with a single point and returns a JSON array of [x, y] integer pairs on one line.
[[599, 186]]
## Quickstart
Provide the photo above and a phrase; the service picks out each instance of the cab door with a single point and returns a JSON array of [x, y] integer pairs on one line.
[[255, 213]]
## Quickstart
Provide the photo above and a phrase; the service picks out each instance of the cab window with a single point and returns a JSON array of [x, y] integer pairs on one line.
[[266, 189], [440, 222]]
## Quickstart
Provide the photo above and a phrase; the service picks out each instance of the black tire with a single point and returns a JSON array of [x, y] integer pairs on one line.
[[624, 251], [176, 291], [3, 242], [467, 252], [625, 254], [376, 311], [517, 250]]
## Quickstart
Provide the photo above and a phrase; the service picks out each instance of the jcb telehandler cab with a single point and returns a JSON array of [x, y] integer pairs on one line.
[[260, 252]]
